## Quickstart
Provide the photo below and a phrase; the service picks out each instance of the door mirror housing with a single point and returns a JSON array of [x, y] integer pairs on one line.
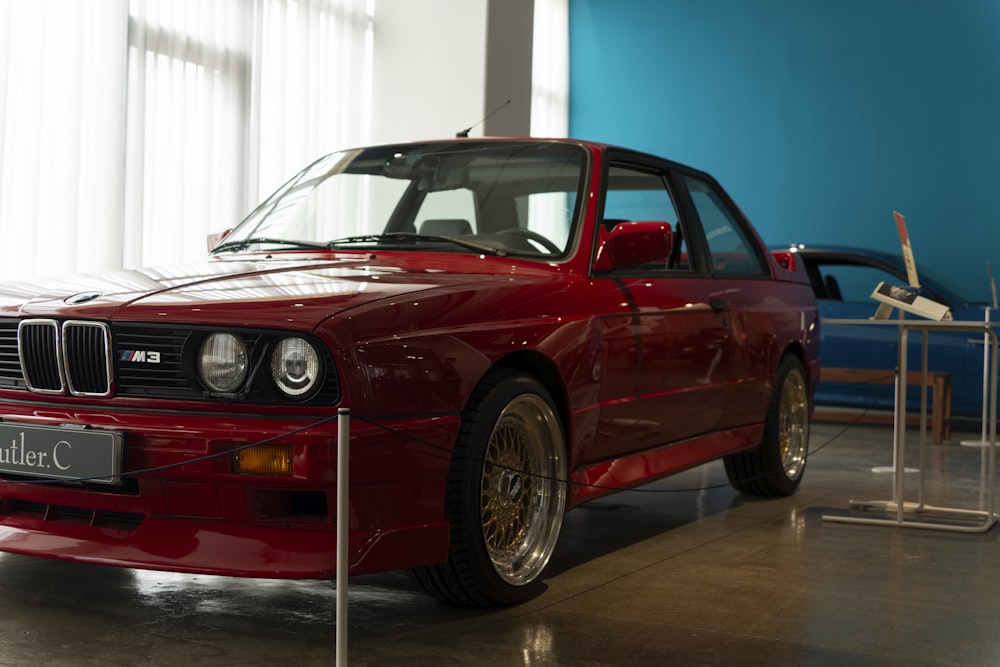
[[216, 238], [631, 244]]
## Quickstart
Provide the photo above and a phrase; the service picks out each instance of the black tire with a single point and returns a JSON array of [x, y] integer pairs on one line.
[[776, 467], [506, 495]]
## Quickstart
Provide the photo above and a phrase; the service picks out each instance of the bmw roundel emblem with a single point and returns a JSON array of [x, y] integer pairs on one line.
[[82, 297]]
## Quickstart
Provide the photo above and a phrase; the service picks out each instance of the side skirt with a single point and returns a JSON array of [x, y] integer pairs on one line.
[[625, 472]]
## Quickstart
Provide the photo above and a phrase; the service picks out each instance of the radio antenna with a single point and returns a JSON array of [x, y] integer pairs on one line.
[[465, 133]]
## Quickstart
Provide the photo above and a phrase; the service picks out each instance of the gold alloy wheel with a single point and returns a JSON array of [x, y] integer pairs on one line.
[[793, 424], [523, 492]]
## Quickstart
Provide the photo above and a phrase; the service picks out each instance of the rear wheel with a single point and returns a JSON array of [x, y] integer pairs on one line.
[[506, 495], [775, 468]]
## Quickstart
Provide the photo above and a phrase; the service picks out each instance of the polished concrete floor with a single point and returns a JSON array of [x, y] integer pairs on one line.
[[684, 572]]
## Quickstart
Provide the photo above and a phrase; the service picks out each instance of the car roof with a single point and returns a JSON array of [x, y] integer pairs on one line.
[[591, 146], [839, 250]]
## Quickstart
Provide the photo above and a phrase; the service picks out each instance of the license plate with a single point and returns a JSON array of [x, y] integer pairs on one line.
[[55, 452]]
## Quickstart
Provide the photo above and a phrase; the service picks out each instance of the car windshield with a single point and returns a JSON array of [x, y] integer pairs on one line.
[[503, 198]]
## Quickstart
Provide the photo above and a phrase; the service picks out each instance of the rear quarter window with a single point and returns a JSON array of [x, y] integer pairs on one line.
[[731, 247]]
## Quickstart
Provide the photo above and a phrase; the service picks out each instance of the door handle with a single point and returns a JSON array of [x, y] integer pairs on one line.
[[718, 305]]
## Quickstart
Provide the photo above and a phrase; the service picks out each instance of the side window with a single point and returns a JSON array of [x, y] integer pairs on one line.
[[635, 195], [851, 282], [731, 248], [447, 213]]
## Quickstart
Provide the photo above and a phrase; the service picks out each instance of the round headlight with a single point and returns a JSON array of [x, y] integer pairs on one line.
[[295, 366], [222, 362]]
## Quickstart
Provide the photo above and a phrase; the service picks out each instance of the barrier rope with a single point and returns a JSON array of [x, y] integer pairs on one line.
[[377, 424]]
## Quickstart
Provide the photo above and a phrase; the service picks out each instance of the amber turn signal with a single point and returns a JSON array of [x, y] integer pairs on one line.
[[263, 460]]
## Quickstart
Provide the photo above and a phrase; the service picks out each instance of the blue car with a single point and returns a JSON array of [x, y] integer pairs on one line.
[[843, 279]]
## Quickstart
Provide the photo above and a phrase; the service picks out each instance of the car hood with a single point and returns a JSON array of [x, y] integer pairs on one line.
[[295, 293]]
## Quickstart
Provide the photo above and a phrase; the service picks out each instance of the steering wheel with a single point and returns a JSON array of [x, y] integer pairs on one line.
[[529, 235]]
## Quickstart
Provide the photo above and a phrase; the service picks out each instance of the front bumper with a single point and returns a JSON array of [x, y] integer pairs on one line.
[[181, 507]]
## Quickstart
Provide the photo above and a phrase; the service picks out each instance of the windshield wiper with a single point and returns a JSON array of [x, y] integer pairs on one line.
[[391, 236], [243, 244]]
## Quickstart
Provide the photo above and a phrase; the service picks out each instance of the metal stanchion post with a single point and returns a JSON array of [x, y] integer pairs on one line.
[[343, 450], [986, 387]]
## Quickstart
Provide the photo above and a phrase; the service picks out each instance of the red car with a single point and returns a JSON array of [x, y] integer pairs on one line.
[[516, 326]]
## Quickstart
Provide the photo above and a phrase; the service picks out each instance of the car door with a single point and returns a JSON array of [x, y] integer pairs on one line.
[[844, 293], [743, 292], [666, 353]]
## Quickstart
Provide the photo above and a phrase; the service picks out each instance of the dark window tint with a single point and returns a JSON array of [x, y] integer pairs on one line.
[[731, 247]]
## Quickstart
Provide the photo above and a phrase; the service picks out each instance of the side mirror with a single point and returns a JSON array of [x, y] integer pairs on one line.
[[633, 244], [215, 239]]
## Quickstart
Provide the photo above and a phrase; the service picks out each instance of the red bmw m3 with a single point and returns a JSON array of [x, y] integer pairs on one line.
[[516, 327]]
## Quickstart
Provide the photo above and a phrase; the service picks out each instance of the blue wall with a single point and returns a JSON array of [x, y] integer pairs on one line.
[[820, 117]]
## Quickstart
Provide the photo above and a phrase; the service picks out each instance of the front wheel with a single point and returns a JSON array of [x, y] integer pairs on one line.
[[506, 495], [775, 468]]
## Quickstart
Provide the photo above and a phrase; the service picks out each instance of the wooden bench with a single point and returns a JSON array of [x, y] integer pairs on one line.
[[940, 384]]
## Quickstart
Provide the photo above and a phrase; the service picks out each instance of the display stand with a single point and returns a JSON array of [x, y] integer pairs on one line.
[[986, 363], [919, 514]]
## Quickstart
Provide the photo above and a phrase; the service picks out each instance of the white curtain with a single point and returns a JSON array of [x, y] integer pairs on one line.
[[312, 90], [131, 129], [188, 99], [550, 69], [62, 82]]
